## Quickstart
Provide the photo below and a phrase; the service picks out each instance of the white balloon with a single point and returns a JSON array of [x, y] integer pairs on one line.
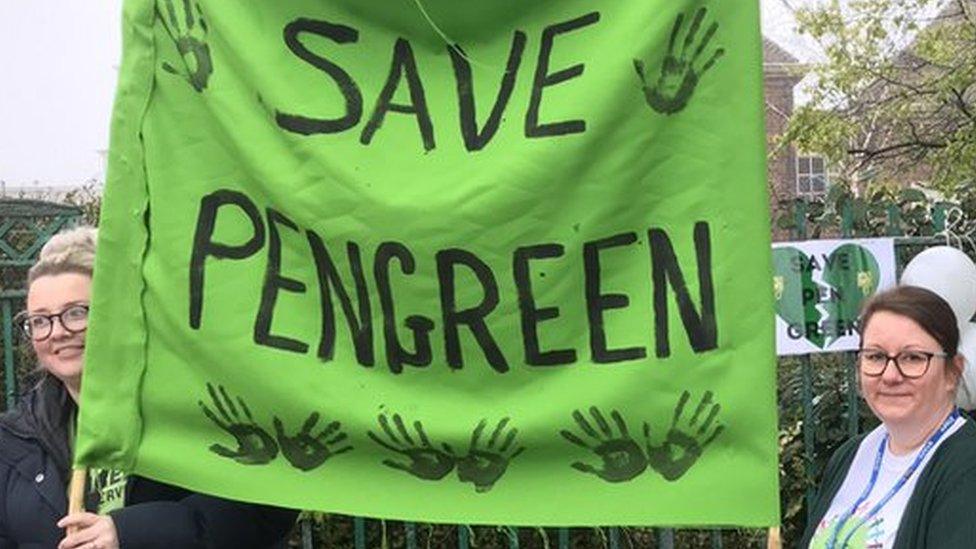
[[966, 392], [949, 273]]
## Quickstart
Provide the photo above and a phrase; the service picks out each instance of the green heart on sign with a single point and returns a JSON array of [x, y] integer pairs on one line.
[[794, 290], [849, 276], [854, 276]]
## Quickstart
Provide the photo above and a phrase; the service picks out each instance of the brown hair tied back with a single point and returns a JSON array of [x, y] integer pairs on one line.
[[925, 307]]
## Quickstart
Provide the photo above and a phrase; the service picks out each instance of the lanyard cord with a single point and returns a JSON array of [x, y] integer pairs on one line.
[[929, 444]]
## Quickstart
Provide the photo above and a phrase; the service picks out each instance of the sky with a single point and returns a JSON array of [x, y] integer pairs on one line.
[[58, 67]]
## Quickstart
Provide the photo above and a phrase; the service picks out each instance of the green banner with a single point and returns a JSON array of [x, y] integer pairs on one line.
[[498, 262]]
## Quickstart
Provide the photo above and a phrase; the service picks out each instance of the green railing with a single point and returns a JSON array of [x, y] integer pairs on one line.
[[356, 532]]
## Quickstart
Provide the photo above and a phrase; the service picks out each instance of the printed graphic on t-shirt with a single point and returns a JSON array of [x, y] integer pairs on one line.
[[868, 535], [110, 487]]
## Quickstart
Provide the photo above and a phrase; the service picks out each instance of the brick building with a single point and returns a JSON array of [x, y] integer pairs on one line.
[[788, 175]]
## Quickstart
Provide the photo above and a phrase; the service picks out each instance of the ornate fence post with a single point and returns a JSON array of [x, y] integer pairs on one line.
[[25, 225]]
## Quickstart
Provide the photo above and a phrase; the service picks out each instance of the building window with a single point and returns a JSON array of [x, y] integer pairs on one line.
[[811, 175]]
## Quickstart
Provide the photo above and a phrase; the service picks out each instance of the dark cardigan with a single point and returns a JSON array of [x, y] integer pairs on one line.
[[941, 512]]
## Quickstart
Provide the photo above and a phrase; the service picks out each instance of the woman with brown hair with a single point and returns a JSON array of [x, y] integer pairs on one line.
[[910, 482]]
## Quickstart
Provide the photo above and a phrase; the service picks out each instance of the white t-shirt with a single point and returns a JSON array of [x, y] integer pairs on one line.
[[879, 531]]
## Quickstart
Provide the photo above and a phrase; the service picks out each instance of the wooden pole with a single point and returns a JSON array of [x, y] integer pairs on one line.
[[76, 494], [773, 540]]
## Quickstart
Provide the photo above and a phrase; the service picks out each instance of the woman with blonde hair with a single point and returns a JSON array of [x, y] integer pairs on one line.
[[36, 438]]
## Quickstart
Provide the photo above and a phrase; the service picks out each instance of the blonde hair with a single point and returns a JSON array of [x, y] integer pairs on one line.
[[70, 251]]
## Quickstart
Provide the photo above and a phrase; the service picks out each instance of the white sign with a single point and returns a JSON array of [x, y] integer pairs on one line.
[[819, 288]]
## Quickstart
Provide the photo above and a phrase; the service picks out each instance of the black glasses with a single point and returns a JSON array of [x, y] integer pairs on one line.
[[910, 364], [39, 327]]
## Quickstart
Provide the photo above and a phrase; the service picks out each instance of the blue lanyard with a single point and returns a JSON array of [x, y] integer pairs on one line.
[[929, 444]]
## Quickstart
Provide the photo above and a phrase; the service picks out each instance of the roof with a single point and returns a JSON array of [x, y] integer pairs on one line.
[[778, 63], [774, 54]]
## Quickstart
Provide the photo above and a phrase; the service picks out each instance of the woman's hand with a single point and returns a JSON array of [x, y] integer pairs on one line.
[[93, 532]]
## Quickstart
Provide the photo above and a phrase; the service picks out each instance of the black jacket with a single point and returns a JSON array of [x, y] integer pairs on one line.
[[34, 464]]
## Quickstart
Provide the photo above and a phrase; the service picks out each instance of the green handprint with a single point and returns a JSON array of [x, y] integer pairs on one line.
[[306, 452], [683, 446], [679, 75], [190, 35], [425, 461], [254, 445], [622, 457], [483, 466]]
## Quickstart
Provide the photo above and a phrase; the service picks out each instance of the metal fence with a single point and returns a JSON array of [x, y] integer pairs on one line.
[[26, 224]]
